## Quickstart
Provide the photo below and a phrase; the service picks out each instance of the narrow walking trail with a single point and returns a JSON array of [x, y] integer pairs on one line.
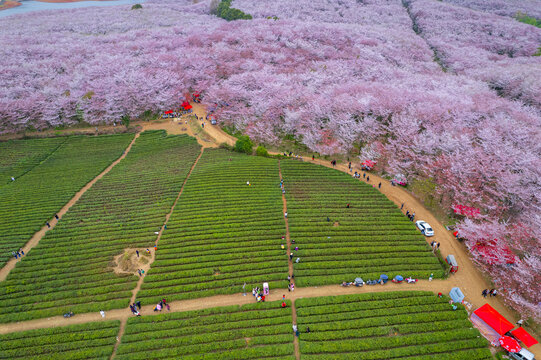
[[290, 265], [153, 255], [34, 240]]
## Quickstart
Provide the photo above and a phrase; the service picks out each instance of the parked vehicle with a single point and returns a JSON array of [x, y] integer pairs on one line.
[[523, 354], [425, 228]]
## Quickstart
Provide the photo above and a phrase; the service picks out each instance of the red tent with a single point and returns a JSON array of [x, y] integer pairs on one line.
[[169, 112], [523, 336], [187, 107], [493, 319], [184, 104]]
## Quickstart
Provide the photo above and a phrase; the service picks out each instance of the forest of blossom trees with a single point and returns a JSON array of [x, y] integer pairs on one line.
[[442, 93]]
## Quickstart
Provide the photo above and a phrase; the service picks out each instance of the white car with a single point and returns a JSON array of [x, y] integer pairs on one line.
[[425, 228]]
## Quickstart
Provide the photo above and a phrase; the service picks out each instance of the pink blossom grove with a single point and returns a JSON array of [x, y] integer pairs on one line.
[[445, 92]]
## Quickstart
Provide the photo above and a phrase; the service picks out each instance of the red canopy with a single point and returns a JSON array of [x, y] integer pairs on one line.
[[169, 112], [184, 104], [466, 210], [493, 319], [196, 94], [509, 344], [187, 107], [523, 336]]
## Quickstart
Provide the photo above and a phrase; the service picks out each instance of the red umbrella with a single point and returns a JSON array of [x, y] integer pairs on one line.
[[169, 112], [184, 104], [187, 107], [509, 344]]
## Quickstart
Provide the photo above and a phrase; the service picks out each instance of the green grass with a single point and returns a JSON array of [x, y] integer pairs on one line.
[[52, 176], [222, 233], [253, 331], [70, 268], [85, 341], [369, 238], [530, 20], [391, 325]]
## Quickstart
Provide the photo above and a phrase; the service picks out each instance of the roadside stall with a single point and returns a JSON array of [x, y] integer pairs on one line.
[[452, 263], [490, 323]]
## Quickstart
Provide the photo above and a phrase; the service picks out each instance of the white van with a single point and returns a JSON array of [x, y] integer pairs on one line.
[[523, 354]]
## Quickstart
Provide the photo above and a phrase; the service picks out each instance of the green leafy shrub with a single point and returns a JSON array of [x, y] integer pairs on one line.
[[137, 6], [225, 11], [261, 151], [244, 145]]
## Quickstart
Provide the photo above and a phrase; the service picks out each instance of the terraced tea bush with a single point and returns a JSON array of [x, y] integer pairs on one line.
[[84, 341], [32, 199], [70, 269], [388, 325], [17, 157], [337, 243], [253, 331], [223, 232]]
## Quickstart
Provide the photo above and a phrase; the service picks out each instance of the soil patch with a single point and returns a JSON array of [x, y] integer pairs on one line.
[[336, 223], [9, 4], [128, 262]]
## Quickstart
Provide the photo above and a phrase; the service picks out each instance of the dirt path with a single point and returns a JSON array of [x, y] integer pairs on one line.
[[152, 256], [34, 240], [290, 266]]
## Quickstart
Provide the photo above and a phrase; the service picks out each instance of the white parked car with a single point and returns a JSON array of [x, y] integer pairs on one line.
[[425, 228]]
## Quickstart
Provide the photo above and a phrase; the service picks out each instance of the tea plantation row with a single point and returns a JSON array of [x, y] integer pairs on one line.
[[223, 232], [31, 200], [70, 267], [337, 243], [391, 325]]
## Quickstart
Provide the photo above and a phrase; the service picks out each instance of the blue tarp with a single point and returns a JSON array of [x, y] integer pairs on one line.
[[456, 295]]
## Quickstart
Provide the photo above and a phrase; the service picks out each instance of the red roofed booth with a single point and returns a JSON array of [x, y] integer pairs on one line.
[[490, 323], [169, 112], [187, 107], [184, 104], [524, 337]]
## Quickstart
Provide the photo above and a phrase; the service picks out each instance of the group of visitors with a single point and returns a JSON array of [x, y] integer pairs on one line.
[[135, 307], [141, 272], [410, 216], [161, 305], [259, 295], [491, 292], [18, 254]]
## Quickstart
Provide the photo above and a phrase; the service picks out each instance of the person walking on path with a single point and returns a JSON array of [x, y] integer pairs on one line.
[[21, 251], [102, 313], [484, 293], [368, 178], [402, 206], [48, 225], [313, 157], [413, 217], [493, 292], [520, 322], [139, 272], [349, 165], [291, 256], [137, 252], [148, 251], [438, 246], [285, 214], [379, 186], [364, 175], [284, 297], [56, 216]]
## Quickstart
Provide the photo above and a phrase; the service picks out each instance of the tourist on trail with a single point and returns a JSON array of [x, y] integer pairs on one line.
[[288, 278], [349, 165], [155, 248], [520, 322], [284, 297], [21, 251], [102, 313], [289, 287], [402, 206], [368, 178], [412, 216], [148, 251], [364, 175], [407, 213], [291, 152], [379, 186], [137, 252], [292, 287], [485, 293], [438, 246], [142, 272], [313, 158], [165, 226], [56, 216], [14, 254], [253, 292], [138, 304], [48, 225], [291, 256], [285, 214], [493, 292], [139, 272]]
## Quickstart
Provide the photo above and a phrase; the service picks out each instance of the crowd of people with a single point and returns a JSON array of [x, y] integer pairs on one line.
[[491, 292], [18, 254]]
